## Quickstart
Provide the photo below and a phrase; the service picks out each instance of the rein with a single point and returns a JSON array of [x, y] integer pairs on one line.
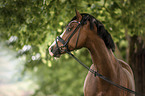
[[103, 77], [65, 44]]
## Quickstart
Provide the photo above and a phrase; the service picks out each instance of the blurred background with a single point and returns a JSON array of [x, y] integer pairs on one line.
[[28, 27]]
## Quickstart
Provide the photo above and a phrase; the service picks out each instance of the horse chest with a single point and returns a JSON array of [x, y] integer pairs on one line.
[[90, 84], [92, 87]]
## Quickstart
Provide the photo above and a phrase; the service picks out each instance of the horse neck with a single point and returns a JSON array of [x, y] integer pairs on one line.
[[103, 59]]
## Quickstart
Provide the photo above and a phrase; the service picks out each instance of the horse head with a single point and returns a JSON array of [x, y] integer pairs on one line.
[[77, 34]]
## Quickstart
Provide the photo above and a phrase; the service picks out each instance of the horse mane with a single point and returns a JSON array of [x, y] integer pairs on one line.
[[101, 31]]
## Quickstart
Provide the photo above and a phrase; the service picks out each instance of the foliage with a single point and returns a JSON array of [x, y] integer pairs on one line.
[[30, 26]]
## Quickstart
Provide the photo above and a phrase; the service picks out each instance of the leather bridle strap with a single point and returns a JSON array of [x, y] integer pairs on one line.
[[65, 43], [78, 37], [103, 77], [78, 26]]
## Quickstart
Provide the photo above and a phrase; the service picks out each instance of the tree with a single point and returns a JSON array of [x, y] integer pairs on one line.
[[30, 26], [133, 20]]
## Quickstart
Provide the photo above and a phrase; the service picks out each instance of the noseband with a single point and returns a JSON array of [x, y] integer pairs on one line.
[[65, 43]]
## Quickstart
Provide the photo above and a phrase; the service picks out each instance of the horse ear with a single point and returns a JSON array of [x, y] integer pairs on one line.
[[78, 15]]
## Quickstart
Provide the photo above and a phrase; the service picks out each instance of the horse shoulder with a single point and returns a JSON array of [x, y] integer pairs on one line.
[[126, 66], [127, 69], [90, 84]]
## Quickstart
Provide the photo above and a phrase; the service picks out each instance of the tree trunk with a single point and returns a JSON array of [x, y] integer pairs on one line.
[[137, 62]]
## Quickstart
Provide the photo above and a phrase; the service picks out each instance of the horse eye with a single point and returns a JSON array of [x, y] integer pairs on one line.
[[69, 29]]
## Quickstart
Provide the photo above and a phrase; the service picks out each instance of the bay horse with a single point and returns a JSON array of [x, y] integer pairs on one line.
[[85, 31]]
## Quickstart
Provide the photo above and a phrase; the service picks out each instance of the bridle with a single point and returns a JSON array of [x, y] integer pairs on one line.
[[65, 44]]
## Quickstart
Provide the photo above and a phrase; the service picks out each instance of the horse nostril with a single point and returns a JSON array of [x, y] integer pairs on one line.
[[50, 51]]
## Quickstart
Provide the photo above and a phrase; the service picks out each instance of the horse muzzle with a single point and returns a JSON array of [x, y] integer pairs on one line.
[[55, 52]]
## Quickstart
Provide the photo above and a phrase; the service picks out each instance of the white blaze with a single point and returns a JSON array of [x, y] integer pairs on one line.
[[62, 34], [57, 40], [54, 44]]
